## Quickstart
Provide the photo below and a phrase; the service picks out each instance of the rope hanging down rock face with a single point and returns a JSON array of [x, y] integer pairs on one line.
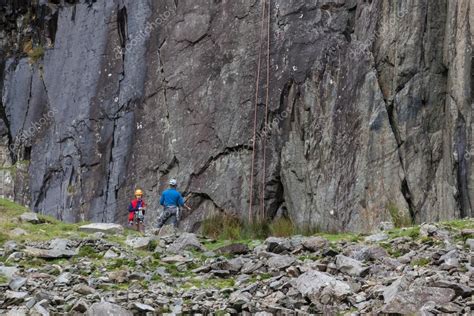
[[266, 9]]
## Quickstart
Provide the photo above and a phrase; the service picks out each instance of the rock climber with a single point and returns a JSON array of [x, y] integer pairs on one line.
[[136, 205], [171, 200]]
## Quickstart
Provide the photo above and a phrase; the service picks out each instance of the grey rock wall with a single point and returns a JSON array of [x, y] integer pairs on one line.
[[371, 104]]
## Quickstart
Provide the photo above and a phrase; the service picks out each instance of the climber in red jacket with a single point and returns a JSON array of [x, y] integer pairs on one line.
[[136, 205]]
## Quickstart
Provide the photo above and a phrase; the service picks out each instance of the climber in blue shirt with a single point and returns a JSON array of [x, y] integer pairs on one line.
[[171, 200]]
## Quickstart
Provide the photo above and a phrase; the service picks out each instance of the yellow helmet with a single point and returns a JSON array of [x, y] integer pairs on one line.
[[138, 192]]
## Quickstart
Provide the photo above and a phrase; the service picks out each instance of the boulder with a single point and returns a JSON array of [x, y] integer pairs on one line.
[[138, 242], [399, 285], [470, 243], [8, 272], [17, 232], [30, 217], [233, 249], [110, 254], [167, 231], [83, 289], [449, 260], [16, 283], [106, 228], [186, 241], [279, 262], [18, 311], [64, 278], [58, 249], [175, 259], [350, 266], [312, 283], [119, 276], [80, 306], [232, 266], [412, 300], [277, 245], [238, 299], [376, 237], [144, 308], [107, 309], [315, 243], [15, 298], [460, 289], [383, 226]]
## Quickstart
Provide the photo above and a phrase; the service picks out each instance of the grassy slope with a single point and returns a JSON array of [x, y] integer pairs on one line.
[[52, 228]]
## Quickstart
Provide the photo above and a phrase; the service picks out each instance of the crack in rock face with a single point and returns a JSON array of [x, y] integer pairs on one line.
[[369, 112]]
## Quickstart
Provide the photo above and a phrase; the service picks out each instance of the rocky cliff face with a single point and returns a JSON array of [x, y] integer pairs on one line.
[[369, 108]]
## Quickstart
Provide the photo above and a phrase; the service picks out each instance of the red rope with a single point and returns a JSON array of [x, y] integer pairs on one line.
[[255, 112], [267, 98]]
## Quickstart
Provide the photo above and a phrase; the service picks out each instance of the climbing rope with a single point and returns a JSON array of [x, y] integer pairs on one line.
[[255, 112], [265, 13], [267, 97]]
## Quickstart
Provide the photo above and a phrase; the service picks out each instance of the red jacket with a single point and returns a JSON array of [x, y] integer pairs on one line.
[[135, 204]]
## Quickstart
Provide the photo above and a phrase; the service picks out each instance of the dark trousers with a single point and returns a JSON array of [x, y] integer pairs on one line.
[[170, 213]]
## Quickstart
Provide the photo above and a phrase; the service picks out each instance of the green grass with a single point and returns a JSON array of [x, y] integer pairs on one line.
[[283, 227], [118, 263], [11, 208], [90, 252], [459, 224], [36, 54], [210, 283], [50, 227], [421, 262], [3, 279], [412, 232], [229, 227], [399, 218]]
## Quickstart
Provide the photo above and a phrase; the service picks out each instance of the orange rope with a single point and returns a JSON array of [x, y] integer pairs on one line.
[[255, 111], [267, 98]]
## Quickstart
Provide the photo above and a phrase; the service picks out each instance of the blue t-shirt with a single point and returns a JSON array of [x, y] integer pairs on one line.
[[171, 197]]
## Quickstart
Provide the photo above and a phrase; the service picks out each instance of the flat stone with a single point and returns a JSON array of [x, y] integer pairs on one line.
[[138, 242], [376, 237], [410, 301], [277, 245], [470, 243], [80, 306], [350, 266], [39, 309], [83, 289], [8, 272], [280, 262], [15, 298], [119, 276], [64, 278], [460, 289], [49, 253], [233, 249], [174, 259], [238, 299], [311, 284], [186, 241], [107, 309], [16, 283], [143, 307], [17, 232], [167, 231], [315, 243], [18, 311], [110, 254], [397, 286], [107, 228], [30, 217]]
